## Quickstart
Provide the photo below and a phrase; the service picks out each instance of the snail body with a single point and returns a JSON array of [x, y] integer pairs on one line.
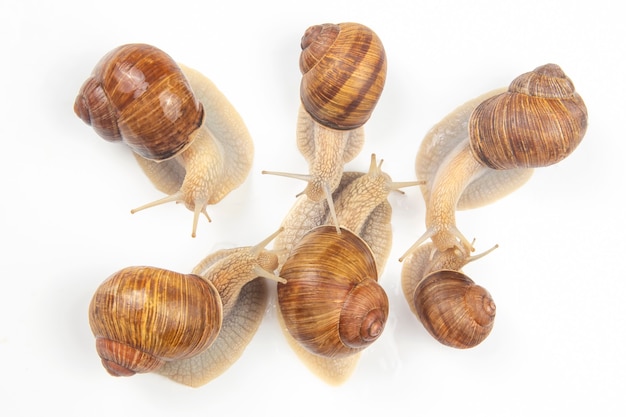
[[131, 311], [361, 206], [331, 306], [537, 122], [343, 74], [540, 110], [187, 138]]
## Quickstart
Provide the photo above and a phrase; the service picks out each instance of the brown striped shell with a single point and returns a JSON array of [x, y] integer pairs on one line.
[[139, 95], [454, 310], [539, 121], [144, 317], [332, 304], [343, 67]]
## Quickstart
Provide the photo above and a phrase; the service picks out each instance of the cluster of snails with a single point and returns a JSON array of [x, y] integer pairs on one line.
[[334, 242], [482, 151]]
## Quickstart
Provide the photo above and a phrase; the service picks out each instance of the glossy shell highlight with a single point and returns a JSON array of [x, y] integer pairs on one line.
[[138, 94]]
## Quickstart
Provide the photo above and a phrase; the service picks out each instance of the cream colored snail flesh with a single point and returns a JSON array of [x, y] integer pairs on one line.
[[188, 139]]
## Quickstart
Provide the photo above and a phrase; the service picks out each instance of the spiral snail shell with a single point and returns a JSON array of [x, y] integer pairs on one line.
[[187, 138], [123, 300], [451, 307], [331, 302], [539, 121], [343, 67], [132, 87]]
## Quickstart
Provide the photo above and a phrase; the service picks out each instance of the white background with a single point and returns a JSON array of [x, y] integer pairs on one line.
[[557, 278]]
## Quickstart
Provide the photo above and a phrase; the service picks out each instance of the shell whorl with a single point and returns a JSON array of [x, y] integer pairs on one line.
[[138, 94], [343, 67], [331, 303], [362, 318], [93, 107], [538, 122]]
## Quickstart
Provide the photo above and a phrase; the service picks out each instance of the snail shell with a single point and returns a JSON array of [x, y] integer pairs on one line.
[[331, 302], [454, 310], [137, 94], [343, 67], [143, 317], [539, 121]]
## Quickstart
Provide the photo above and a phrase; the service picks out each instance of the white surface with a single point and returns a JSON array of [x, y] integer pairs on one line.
[[558, 342]]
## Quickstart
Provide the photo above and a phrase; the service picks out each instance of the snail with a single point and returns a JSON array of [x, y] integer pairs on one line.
[[187, 327], [453, 309], [343, 69], [489, 146], [331, 306], [188, 139]]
